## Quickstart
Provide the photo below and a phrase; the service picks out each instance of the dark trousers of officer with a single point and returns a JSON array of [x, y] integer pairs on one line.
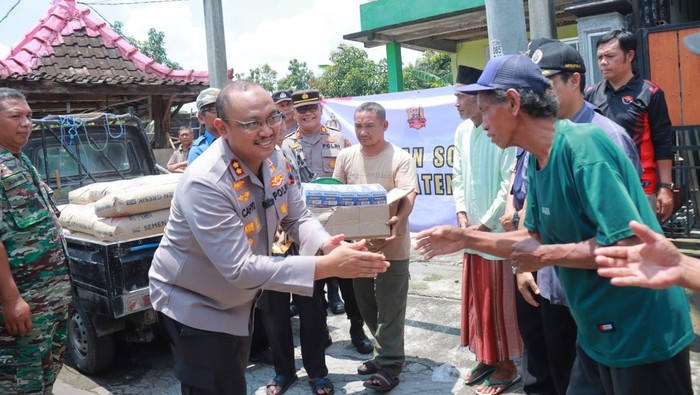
[[549, 335], [348, 292], [207, 363], [312, 332], [259, 341]]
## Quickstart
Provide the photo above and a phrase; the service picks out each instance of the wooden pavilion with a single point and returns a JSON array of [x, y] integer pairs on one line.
[[72, 62]]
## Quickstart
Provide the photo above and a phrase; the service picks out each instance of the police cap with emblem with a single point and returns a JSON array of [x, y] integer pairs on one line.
[[279, 96], [554, 56], [305, 98]]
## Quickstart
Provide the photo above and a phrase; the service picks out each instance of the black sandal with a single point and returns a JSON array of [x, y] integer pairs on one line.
[[387, 381], [368, 367], [281, 380], [321, 384]]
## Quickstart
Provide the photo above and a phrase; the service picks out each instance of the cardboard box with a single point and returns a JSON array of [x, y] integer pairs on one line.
[[361, 222], [331, 195]]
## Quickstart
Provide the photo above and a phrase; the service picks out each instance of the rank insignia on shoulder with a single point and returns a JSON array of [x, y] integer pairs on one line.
[[237, 168]]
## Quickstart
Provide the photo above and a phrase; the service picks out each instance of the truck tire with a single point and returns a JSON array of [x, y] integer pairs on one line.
[[90, 353]]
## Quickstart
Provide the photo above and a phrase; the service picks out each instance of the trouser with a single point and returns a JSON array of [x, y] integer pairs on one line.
[[382, 302], [259, 341], [30, 364], [207, 363], [312, 332], [549, 336], [348, 291], [671, 376]]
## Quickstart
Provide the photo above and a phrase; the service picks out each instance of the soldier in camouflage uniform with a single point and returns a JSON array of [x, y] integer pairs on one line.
[[34, 283]]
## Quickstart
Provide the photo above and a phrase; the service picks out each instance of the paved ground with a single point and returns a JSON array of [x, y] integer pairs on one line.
[[435, 361]]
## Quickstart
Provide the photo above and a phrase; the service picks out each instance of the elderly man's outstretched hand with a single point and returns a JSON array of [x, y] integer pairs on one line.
[[440, 240], [350, 260]]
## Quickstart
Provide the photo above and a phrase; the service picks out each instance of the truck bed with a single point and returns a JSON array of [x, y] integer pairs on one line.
[[111, 278]]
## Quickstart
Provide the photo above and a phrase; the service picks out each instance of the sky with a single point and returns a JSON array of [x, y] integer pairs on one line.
[[256, 31]]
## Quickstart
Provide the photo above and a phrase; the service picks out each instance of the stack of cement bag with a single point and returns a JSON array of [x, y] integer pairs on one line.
[[120, 210]]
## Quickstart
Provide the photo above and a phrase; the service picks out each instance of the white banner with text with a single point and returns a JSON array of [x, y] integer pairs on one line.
[[423, 123]]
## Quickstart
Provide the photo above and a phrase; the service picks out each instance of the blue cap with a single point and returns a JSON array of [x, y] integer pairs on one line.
[[509, 71]]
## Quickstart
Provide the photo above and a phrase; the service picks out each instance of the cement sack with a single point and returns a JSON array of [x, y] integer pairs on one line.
[[131, 227], [94, 192], [91, 192], [78, 218], [136, 200]]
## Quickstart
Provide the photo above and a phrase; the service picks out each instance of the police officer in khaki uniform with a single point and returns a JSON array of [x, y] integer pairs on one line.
[[34, 283], [317, 147], [214, 256]]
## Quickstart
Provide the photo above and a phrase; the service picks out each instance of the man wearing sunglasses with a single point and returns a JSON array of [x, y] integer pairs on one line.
[[206, 114]]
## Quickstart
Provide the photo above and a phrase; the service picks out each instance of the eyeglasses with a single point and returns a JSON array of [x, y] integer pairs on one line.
[[211, 109], [255, 126], [305, 109]]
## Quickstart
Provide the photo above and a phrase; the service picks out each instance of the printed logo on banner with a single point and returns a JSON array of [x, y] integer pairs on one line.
[[416, 117]]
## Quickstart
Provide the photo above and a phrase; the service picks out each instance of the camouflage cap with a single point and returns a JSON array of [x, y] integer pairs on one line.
[[206, 97]]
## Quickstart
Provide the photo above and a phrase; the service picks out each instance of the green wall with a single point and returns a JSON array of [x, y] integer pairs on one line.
[[382, 13]]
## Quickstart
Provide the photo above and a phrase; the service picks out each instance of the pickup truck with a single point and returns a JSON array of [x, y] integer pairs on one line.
[[110, 280]]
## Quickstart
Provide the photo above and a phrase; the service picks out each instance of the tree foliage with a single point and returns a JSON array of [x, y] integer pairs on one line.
[[432, 70], [263, 75], [299, 76], [153, 47], [351, 73]]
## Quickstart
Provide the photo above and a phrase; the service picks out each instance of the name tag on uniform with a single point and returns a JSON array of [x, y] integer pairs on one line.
[[13, 181]]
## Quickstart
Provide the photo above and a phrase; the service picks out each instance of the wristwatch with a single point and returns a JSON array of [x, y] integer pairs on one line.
[[667, 185], [516, 220]]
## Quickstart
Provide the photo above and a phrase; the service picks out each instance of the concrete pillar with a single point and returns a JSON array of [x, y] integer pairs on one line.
[[394, 66], [542, 17], [216, 43], [505, 20]]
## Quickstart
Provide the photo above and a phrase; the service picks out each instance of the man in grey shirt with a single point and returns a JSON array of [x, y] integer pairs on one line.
[[215, 254]]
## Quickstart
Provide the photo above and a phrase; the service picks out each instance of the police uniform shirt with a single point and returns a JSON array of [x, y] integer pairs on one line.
[[319, 150], [214, 255]]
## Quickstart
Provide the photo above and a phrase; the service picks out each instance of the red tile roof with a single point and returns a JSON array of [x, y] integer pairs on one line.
[[70, 45]]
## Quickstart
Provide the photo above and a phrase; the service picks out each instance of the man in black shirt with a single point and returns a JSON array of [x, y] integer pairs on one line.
[[639, 106]]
